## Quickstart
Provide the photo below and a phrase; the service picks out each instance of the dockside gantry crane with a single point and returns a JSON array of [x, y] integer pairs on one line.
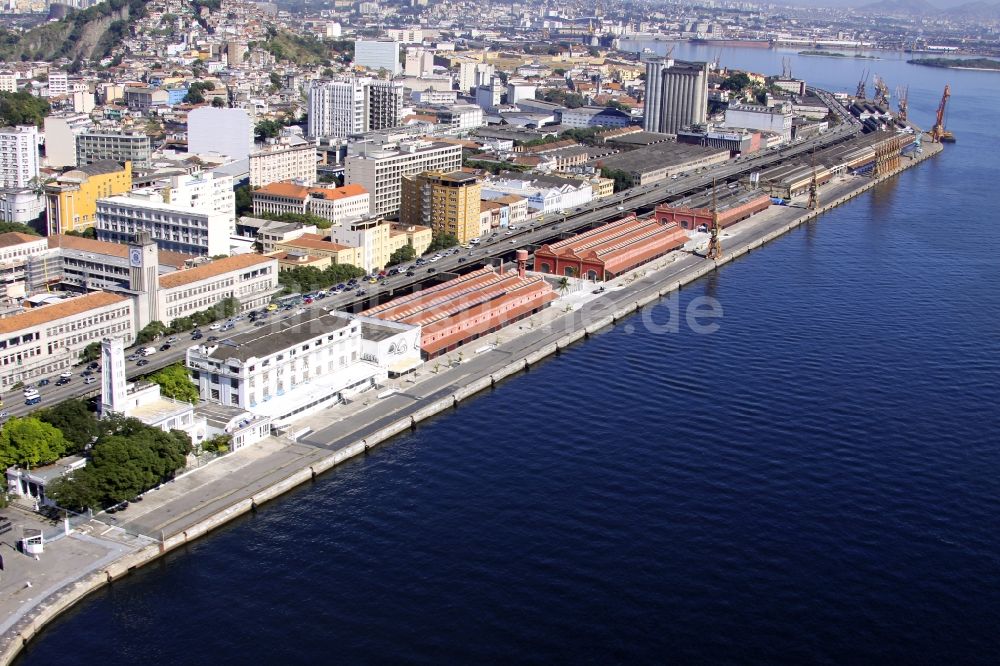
[[881, 91], [860, 92], [903, 97], [938, 133]]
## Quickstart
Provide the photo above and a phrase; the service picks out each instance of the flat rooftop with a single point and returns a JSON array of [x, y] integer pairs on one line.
[[659, 156], [279, 334]]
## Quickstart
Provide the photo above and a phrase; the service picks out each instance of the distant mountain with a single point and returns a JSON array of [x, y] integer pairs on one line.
[[912, 7], [976, 10]]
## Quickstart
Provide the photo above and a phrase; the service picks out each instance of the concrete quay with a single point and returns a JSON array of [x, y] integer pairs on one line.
[[203, 499]]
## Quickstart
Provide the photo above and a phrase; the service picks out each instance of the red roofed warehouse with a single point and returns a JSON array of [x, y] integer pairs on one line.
[[732, 205], [467, 308], [610, 250]]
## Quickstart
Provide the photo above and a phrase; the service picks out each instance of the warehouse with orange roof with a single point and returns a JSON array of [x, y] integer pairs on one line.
[[468, 307]]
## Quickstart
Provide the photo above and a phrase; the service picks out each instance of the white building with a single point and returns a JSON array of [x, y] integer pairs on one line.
[[419, 61], [252, 279], [335, 204], [20, 205], [471, 75], [545, 194], [776, 119], [463, 116], [60, 138], [414, 35], [336, 108], [16, 249], [8, 82], [293, 367], [208, 191], [354, 106], [380, 170], [377, 55], [224, 131], [519, 89], [18, 156], [58, 83], [174, 227], [48, 339], [143, 401], [285, 158]]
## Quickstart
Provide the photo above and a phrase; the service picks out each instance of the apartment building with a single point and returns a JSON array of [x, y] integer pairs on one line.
[[18, 156], [377, 239], [380, 171], [48, 339], [209, 191], [118, 147], [448, 203], [60, 137], [71, 200], [16, 249], [377, 55], [353, 106], [283, 159]]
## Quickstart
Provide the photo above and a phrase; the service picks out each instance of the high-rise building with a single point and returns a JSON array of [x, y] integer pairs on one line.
[[342, 108], [113, 380], [284, 158], [18, 156], [383, 104], [448, 203], [60, 137], [419, 61], [377, 55], [380, 170], [676, 95], [471, 75]]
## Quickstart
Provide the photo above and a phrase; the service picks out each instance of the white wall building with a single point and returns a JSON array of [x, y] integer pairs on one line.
[[414, 35], [60, 138], [776, 119], [224, 131], [290, 368], [419, 61], [58, 83], [471, 75], [47, 339], [8, 82], [380, 170], [544, 195], [377, 55], [208, 191], [18, 156], [174, 227], [336, 108]]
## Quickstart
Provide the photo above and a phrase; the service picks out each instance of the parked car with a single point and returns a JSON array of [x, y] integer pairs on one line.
[[214, 327]]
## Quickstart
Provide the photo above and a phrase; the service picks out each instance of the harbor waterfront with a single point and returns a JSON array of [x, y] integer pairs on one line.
[[188, 515], [616, 305]]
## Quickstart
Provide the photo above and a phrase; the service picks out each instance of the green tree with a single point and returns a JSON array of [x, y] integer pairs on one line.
[[299, 218], [217, 444], [623, 180], [737, 82], [217, 103], [267, 129], [6, 227], [22, 108], [441, 241], [75, 420], [175, 383], [89, 232], [91, 352], [29, 442], [403, 254], [244, 200], [150, 332]]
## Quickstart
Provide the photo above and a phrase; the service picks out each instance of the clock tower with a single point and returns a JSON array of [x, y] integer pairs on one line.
[[143, 278]]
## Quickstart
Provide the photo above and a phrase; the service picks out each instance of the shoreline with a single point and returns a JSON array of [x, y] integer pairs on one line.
[[637, 293]]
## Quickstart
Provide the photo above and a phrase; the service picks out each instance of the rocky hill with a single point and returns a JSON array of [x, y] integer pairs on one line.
[[86, 34]]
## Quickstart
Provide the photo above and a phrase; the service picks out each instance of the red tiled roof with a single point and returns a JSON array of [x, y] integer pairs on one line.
[[17, 238], [47, 313], [166, 257], [212, 269]]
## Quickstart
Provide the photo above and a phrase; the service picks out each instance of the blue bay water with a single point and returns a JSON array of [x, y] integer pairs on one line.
[[818, 481]]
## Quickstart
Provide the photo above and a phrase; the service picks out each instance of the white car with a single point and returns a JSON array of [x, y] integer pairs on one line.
[[214, 327], [433, 259]]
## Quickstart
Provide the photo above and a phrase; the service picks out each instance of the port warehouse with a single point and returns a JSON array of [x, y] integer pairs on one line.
[[733, 204], [861, 154], [468, 307], [610, 249]]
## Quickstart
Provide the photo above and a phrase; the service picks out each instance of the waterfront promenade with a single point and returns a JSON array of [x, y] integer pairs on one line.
[[205, 498]]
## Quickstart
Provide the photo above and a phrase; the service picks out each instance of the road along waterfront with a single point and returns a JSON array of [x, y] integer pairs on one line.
[[207, 498]]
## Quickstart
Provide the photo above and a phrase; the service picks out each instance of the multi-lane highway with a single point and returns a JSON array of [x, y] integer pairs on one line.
[[489, 250]]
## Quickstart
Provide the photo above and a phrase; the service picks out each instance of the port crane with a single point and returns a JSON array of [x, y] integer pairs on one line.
[[938, 133], [860, 93], [903, 95], [813, 202], [714, 241], [881, 91]]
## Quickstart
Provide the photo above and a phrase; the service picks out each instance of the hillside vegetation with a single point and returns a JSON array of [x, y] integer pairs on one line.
[[88, 34]]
